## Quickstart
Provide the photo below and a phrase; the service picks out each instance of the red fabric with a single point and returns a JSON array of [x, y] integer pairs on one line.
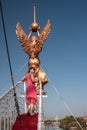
[[28, 122], [31, 90]]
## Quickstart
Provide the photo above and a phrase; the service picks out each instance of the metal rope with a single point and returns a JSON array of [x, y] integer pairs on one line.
[[12, 79], [58, 93], [20, 69]]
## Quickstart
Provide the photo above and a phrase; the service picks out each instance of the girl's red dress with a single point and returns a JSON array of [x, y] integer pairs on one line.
[[31, 93]]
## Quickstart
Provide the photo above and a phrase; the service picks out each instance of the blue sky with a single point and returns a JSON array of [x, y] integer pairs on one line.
[[64, 54]]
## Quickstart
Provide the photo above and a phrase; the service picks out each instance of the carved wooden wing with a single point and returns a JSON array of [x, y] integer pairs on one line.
[[23, 38], [44, 34]]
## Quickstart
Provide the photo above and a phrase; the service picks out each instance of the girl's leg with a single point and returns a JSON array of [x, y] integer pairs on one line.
[[28, 111], [31, 109]]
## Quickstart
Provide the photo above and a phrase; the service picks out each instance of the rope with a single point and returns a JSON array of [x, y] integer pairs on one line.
[[5, 84], [61, 98], [12, 79], [58, 93]]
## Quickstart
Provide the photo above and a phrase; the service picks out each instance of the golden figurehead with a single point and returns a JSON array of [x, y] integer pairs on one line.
[[32, 44]]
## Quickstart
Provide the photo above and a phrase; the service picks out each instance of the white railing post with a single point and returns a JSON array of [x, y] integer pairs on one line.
[[40, 112], [25, 97]]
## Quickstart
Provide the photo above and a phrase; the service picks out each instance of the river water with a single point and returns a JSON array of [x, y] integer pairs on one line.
[[52, 128]]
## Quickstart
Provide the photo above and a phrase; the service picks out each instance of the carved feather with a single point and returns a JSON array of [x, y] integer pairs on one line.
[[21, 35], [44, 34], [32, 49], [23, 38]]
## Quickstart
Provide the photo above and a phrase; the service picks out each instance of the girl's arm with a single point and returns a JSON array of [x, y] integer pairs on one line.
[[23, 78]]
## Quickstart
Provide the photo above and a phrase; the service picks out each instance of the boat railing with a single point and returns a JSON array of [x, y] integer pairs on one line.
[[8, 111]]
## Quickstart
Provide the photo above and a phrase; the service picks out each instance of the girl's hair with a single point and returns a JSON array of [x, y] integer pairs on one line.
[[30, 69]]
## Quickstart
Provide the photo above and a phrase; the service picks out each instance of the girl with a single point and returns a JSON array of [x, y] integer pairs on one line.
[[31, 93]]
